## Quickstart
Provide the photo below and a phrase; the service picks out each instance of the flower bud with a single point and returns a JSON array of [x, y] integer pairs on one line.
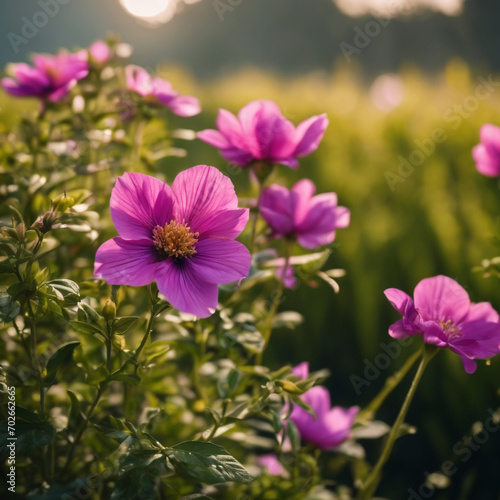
[[62, 202], [109, 310]]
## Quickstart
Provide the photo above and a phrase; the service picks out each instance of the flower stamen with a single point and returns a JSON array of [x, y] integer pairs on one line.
[[450, 329], [175, 240]]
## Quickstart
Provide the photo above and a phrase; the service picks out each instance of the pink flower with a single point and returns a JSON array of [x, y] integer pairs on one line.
[[442, 312], [52, 77], [271, 463], [487, 154], [296, 212], [181, 237], [331, 426], [160, 91], [262, 133], [100, 52]]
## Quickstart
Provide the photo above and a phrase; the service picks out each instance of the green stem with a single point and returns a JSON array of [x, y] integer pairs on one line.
[[268, 323], [34, 358], [83, 427], [370, 485], [391, 383], [135, 154]]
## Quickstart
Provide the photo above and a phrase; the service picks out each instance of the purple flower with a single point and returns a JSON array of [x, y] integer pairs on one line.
[[442, 312], [487, 154], [271, 463], [296, 212], [262, 133], [52, 77], [181, 237], [160, 91], [331, 426], [100, 52]]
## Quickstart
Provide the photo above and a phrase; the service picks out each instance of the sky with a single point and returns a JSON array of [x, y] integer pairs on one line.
[[214, 37]]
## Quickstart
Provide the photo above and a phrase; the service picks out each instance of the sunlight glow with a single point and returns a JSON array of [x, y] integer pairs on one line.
[[396, 8], [153, 12]]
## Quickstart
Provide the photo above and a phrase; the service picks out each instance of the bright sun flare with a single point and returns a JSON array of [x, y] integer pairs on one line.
[[150, 10]]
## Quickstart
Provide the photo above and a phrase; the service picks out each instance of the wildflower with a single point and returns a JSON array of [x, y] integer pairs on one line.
[[181, 237], [487, 153], [262, 133], [331, 426], [441, 311], [297, 213], [51, 79], [100, 52], [160, 91]]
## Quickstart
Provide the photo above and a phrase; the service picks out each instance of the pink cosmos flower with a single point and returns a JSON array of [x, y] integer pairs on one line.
[[442, 312], [262, 133], [51, 79], [100, 52], [487, 153], [181, 237], [331, 426], [296, 212], [160, 91]]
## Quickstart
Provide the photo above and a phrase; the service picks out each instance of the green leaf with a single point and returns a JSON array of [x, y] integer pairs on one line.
[[27, 415], [226, 385], [57, 359], [122, 325], [30, 436], [136, 484], [301, 403], [293, 434], [75, 410], [67, 288], [207, 462], [288, 319], [86, 328], [9, 308]]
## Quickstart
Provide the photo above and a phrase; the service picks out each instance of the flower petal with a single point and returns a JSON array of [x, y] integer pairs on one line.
[[322, 219], [184, 105], [301, 370], [398, 299], [220, 261], [441, 299], [230, 128], [485, 336], [276, 207], [398, 330], [483, 311], [214, 138], [199, 192], [486, 163], [139, 203], [309, 134], [126, 262], [221, 223], [178, 282]]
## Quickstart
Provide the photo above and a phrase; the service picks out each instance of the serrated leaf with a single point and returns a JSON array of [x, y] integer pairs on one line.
[[207, 462], [55, 362]]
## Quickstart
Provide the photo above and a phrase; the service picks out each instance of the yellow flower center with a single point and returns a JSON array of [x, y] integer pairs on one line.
[[450, 329], [175, 240]]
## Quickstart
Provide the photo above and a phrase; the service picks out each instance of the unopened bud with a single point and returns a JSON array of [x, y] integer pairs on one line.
[[62, 202], [109, 310], [290, 387]]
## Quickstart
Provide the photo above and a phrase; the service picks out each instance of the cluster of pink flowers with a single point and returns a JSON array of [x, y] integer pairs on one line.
[[53, 76]]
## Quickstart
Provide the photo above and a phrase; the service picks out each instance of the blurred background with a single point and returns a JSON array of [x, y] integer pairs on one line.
[[388, 74]]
